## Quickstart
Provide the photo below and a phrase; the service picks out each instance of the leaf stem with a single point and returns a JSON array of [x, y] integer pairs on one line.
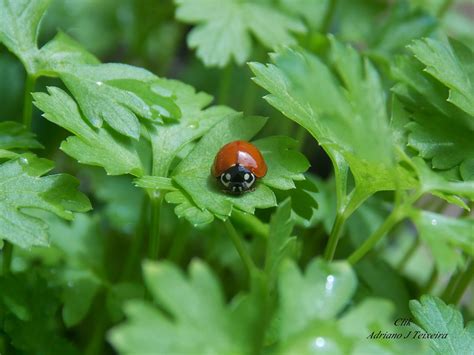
[[336, 232], [239, 246], [444, 8], [252, 223], [431, 281], [326, 26], [7, 252], [407, 255], [463, 283], [395, 216], [154, 243], [300, 136], [137, 241], [224, 85], [453, 281], [27, 101]]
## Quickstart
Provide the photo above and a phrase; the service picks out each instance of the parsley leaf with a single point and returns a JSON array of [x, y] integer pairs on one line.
[[15, 136], [445, 235], [30, 304], [320, 293], [438, 103], [198, 313], [434, 316], [224, 27], [340, 103], [451, 64], [22, 188], [115, 93], [19, 27], [94, 146], [118, 94], [169, 139], [280, 242]]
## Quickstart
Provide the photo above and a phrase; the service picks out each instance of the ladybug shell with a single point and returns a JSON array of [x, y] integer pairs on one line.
[[242, 153]]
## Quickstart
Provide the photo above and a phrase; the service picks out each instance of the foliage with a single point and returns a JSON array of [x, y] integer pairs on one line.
[[366, 128]]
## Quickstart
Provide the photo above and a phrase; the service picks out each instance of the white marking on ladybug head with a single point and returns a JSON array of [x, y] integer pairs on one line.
[[225, 179], [246, 176]]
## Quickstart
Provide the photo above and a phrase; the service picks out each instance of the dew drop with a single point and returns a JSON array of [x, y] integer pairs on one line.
[[329, 282], [70, 284], [24, 161], [162, 111], [319, 342], [434, 222], [99, 83]]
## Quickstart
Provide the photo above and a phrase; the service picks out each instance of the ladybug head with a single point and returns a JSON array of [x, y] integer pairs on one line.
[[237, 179]]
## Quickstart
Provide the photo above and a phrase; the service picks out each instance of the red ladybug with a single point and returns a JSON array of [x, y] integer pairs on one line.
[[238, 165]]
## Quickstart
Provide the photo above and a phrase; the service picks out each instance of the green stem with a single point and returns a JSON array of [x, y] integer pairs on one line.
[[27, 101], [300, 136], [444, 8], [239, 245], [180, 240], [326, 26], [249, 98], [394, 217], [463, 283], [431, 281], [96, 341], [408, 254], [137, 241], [224, 84], [154, 246], [251, 223], [7, 256], [336, 232], [448, 290]]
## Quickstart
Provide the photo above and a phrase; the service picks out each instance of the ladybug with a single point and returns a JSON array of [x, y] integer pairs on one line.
[[237, 166]]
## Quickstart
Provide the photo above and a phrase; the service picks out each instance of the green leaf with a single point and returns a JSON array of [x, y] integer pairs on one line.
[[341, 104], [192, 308], [79, 266], [22, 188], [444, 236], [439, 128], [120, 200], [19, 27], [15, 136], [438, 185], [35, 329], [93, 146], [187, 209], [170, 138], [80, 242], [318, 294], [224, 28], [433, 316], [118, 94], [60, 53], [451, 64], [81, 287], [303, 201], [280, 242], [287, 163], [313, 12]]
